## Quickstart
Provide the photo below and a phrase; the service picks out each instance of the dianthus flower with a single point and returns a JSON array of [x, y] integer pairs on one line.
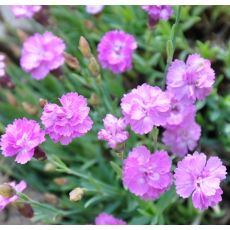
[[183, 137], [157, 13], [42, 53], [145, 107], [147, 175], [23, 11], [68, 121], [115, 51], [191, 80], [92, 9], [20, 140], [200, 178], [107, 219], [18, 188], [179, 110], [114, 132], [2, 65]]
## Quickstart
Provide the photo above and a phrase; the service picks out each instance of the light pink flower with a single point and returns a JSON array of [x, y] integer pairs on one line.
[[145, 107], [147, 175], [107, 219], [94, 9], [24, 11], [114, 132], [115, 51], [20, 140], [42, 53], [179, 110], [20, 187], [68, 121], [183, 137], [200, 178], [191, 80]]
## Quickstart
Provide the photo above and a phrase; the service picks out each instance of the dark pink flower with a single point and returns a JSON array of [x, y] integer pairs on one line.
[[107, 219], [42, 53], [20, 140], [68, 121]]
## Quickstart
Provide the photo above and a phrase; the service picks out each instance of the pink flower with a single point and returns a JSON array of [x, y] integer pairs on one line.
[[183, 137], [2, 65], [146, 175], [18, 188], [116, 50], [114, 132], [192, 80], [68, 121], [107, 219], [20, 140], [23, 11], [145, 107], [42, 53], [91, 9], [157, 13], [199, 178]]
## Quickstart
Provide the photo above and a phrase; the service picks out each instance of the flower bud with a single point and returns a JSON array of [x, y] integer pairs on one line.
[[84, 47], [94, 100], [26, 210], [72, 61], [6, 191], [50, 198], [42, 102], [49, 167], [6, 82], [39, 154], [94, 67], [30, 109], [60, 181], [76, 194]]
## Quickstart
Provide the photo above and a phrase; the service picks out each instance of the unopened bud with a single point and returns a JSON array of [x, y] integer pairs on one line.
[[60, 181], [76, 194], [84, 47], [94, 67], [6, 82], [30, 109], [49, 167], [11, 98], [58, 73], [26, 210], [39, 154], [50, 198], [21, 35], [71, 61], [42, 102], [94, 100], [7, 191]]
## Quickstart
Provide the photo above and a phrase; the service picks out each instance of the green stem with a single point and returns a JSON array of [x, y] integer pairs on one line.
[[171, 44]]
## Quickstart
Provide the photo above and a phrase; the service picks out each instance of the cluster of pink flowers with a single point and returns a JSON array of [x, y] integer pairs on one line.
[[114, 132], [107, 219], [200, 178], [115, 51], [25, 11], [68, 121], [145, 107], [186, 82], [20, 187], [20, 140], [157, 13], [42, 53], [94, 9], [147, 175], [2, 65]]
